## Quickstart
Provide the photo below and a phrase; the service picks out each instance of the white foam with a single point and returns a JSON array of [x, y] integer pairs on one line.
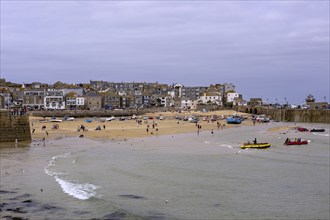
[[77, 190], [52, 164], [227, 145], [207, 142]]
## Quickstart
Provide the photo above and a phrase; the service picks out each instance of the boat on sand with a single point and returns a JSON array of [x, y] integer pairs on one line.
[[55, 120], [234, 120]]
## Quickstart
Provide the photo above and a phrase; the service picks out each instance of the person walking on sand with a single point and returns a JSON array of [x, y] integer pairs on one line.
[[212, 132]]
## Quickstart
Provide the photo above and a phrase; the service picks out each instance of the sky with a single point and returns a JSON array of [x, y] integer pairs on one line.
[[276, 50]]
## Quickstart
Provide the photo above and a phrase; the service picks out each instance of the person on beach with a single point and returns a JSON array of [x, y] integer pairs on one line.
[[212, 132], [255, 140]]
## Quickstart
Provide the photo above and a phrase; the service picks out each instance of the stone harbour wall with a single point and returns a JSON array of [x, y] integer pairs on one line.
[[14, 127], [290, 115]]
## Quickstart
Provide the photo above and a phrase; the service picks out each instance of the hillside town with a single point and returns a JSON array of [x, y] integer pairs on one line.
[[102, 95], [98, 95]]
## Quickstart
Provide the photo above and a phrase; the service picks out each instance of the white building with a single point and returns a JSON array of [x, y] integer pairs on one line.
[[211, 98], [80, 102], [177, 90], [188, 104], [74, 101], [239, 102], [166, 101], [54, 99], [231, 96]]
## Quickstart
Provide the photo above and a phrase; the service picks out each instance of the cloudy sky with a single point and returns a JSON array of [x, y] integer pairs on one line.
[[276, 50]]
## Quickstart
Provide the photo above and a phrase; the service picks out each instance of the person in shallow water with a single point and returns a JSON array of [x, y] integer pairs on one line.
[[255, 140]]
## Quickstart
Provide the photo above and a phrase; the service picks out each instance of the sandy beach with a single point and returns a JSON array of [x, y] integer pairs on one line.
[[117, 129]]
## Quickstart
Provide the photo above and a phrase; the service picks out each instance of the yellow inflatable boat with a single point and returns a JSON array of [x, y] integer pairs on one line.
[[257, 145]]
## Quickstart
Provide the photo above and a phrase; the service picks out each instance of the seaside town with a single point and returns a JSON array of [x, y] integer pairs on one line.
[[163, 110], [102, 95]]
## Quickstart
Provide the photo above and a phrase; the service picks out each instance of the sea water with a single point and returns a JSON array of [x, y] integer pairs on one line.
[[186, 176]]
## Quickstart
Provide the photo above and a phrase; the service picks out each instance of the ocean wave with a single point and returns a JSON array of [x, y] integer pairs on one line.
[[80, 191], [52, 162], [77, 190]]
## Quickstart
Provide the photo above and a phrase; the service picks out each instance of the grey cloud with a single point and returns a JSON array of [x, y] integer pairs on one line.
[[272, 42]]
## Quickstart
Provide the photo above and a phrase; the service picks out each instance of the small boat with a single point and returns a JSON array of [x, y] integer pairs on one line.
[[302, 129], [110, 118], [88, 120], [257, 145], [317, 130], [67, 118], [43, 120], [55, 120], [296, 142], [233, 120]]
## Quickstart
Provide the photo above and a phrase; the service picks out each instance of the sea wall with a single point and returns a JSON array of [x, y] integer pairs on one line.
[[14, 127], [290, 115], [97, 113]]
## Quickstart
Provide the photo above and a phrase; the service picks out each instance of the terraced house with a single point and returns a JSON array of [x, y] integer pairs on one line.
[[34, 99], [74, 101], [109, 95], [54, 100]]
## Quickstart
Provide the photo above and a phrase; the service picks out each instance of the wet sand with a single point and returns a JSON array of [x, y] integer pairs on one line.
[[129, 128]]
